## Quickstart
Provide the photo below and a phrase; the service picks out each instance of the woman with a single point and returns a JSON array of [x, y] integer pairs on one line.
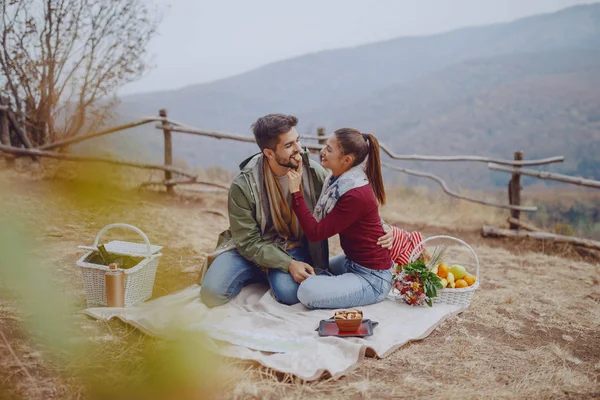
[[348, 205]]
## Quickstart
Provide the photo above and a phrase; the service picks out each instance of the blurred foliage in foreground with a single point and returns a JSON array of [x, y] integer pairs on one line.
[[129, 366]]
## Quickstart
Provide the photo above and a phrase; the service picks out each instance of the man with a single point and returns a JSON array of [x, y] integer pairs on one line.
[[265, 242]]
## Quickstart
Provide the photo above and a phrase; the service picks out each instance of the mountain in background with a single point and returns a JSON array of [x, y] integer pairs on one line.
[[532, 85]]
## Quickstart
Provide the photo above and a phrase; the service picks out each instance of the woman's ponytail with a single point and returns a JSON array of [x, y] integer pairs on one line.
[[373, 169], [364, 145]]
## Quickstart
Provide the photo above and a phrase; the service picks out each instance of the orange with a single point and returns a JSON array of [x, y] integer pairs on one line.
[[470, 279], [443, 270], [461, 283]]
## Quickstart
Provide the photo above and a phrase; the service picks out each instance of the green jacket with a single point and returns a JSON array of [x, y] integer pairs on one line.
[[249, 217]]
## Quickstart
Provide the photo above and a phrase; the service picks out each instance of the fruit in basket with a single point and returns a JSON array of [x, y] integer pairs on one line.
[[461, 284], [444, 282], [450, 277], [451, 285], [442, 270], [435, 269], [458, 271], [470, 279]]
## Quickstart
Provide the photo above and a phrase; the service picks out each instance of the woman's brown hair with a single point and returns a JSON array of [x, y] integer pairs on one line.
[[361, 145]]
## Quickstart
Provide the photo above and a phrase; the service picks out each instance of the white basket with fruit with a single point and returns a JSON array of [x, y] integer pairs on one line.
[[434, 281]]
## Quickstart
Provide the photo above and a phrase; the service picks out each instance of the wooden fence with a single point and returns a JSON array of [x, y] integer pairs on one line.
[[9, 123]]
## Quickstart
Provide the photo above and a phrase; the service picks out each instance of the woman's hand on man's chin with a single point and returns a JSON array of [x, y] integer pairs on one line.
[[295, 179]]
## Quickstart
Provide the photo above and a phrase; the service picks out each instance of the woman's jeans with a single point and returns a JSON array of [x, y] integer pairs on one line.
[[230, 272], [350, 285]]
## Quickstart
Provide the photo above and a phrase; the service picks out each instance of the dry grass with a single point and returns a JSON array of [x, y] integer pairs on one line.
[[431, 207], [531, 331]]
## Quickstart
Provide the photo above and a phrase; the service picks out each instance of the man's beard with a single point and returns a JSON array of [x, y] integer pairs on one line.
[[286, 163]]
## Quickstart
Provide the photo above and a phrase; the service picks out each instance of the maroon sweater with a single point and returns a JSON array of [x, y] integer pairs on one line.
[[356, 218]]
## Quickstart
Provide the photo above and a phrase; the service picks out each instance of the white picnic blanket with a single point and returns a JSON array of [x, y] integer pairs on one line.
[[255, 327]]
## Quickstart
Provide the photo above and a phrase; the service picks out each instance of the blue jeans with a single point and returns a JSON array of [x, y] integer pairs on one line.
[[230, 272], [349, 285]]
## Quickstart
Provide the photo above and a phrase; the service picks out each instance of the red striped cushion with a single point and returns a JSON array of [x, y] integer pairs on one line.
[[403, 245]]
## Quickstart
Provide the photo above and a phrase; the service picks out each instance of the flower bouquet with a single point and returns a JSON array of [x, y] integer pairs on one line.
[[416, 284]]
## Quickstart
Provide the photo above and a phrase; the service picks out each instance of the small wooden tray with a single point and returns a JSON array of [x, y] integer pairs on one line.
[[328, 327]]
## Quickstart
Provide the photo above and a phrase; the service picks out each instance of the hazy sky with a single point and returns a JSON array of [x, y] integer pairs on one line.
[[200, 40]]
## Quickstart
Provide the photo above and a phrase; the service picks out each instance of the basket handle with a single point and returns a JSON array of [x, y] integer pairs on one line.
[[420, 245], [126, 226]]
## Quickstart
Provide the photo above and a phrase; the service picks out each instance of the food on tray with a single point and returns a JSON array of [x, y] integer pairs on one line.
[[348, 314], [348, 320]]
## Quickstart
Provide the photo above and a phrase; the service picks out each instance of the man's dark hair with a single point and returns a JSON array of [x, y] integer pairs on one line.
[[268, 128]]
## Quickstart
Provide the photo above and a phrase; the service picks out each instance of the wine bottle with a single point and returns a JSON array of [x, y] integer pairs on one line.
[[104, 254]]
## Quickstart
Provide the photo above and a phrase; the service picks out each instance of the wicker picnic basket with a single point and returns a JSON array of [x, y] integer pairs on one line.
[[139, 279], [460, 297]]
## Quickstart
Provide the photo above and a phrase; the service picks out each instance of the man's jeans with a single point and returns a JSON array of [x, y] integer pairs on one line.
[[350, 285], [230, 272]]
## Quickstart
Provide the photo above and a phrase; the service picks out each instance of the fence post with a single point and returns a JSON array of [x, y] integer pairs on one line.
[[4, 131], [168, 150], [321, 133], [514, 190]]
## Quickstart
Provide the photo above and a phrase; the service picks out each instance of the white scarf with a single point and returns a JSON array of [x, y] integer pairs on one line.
[[355, 177]]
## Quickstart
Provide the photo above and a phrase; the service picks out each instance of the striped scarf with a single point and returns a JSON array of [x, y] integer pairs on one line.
[[284, 218], [333, 189]]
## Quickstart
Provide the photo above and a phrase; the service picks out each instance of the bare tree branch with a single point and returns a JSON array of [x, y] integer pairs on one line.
[[65, 59]]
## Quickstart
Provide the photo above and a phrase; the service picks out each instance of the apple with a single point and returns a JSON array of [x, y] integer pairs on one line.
[[458, 271]]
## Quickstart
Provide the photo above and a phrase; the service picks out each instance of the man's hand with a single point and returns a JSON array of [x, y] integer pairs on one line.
[[386, 240], [295, 178], [300, 271]]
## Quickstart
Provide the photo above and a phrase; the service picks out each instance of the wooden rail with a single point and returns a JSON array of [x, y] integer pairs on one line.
[[174, 182], [61, 156], [201, 132], [449, 192], [491, 231], [522, 224], [78, 139], [416, 157], [575, 180]]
